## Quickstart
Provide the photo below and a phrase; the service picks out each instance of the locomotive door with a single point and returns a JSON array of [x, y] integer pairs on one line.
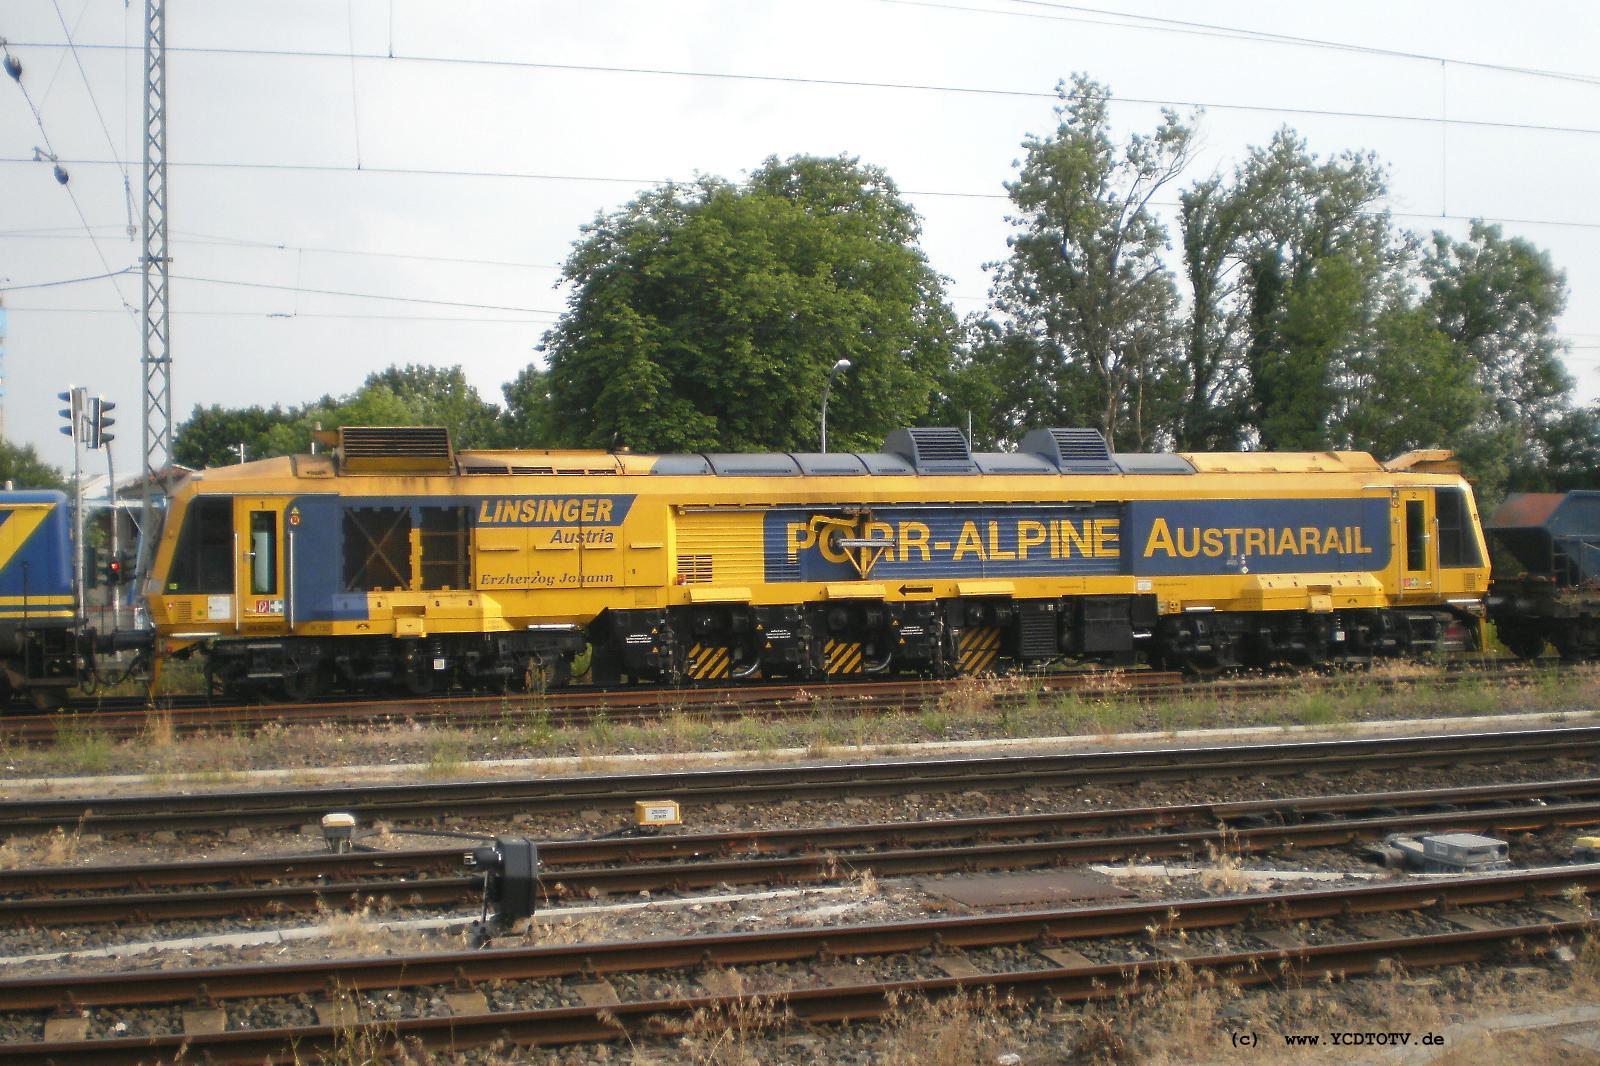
[[260, 577], [1419, 551]]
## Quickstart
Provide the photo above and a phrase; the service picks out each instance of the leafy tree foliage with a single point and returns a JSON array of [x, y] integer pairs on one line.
[[1318, 255], [398, 396], [1087, 301], [439, 396], [20, 464], [1497, 300], [708, 316], [1214, 219], [211, 436], [1311, 321], [527, 421]]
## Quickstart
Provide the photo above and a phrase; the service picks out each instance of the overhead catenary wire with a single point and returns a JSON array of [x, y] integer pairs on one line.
[[94, 102], [1136, 21], [847, 83], [360, 295], [285, 316], [57, 283], [61, 61], [224, 241], [643, 181], [62, 178]]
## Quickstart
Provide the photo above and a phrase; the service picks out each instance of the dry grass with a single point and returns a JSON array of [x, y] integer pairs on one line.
[[965, 1029], [55, 848], [1223, 873], [732, 1034], [974, 708]]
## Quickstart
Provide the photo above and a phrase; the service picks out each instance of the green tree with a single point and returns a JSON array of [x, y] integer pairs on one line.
[[526, 421], [1567, 455], [1497, 300], [1407, 389], [20, 464], [211, 435], [397, 396], [1087, 305], [1214, 218], [1320, 257], [708, 316], [440, 396]]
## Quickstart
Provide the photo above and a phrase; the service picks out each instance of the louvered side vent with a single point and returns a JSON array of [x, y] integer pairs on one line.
[[1075, 451], [396, 450], [694, 569], [933, 450]]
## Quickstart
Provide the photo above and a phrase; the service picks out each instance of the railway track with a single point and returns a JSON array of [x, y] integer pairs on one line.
[[1481, 917], [685, 862], [294, 807], [126, 717]]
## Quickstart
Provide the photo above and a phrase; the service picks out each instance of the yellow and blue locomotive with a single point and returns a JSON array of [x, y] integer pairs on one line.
[[396, 559], [393, 558], [43, 643]]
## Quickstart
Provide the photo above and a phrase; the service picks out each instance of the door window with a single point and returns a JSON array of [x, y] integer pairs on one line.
[[263, 553], [1416, 537]]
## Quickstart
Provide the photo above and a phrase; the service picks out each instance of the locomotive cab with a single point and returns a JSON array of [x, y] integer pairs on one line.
[[40, 634]]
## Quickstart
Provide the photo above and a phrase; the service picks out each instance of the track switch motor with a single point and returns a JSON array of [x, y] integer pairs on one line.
[[510, 871]]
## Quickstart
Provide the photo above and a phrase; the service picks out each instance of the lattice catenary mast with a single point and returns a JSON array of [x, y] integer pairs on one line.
[[156, 357]]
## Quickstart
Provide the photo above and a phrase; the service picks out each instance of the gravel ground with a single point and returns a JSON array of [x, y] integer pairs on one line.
[[752, 980], [85, 849], [1038, 1034]]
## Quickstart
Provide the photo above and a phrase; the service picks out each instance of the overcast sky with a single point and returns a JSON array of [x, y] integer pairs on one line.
[[456, 174]]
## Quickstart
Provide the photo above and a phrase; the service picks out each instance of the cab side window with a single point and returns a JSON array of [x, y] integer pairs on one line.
[[203, 559], [1457, 545]]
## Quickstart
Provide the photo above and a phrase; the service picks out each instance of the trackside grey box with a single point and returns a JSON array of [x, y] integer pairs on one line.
[[1465, 851]]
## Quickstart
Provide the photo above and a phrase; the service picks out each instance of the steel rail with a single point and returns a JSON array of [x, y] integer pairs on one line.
[[813, 1005], [670, 1017], [500, 796], [413, 862], [188, 715], [569, 707], [824, 860], [581, 883], [151, 987]]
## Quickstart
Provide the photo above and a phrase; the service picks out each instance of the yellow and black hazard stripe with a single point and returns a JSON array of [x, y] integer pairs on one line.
[[709, 662], [843, 656], [977, 648]]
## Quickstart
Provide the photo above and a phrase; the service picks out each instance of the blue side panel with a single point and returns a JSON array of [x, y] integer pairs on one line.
[[317, 585], [952, 542], [42, 564], [1196, 537], [316, 526]]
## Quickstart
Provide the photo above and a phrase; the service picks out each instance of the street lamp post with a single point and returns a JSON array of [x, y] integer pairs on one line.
[[838, 368]]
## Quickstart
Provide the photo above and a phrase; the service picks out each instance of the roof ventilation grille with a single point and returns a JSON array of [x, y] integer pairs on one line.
[[933, 450], [1075, 451], [396, 450]]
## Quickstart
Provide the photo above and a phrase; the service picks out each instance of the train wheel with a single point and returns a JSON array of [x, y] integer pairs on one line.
[[419, 678], [44, 699], [302, 686]]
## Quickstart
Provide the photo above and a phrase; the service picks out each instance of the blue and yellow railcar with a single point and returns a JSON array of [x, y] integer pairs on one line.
[[394, 558], [39, 622]]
